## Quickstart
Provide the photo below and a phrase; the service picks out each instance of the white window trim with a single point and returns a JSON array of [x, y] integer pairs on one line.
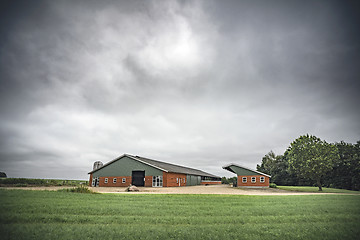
[[253, 179], [124, 180], [106, 180], [95, 182], [262, 179], [244, 179], [157, 181], [114, 180]]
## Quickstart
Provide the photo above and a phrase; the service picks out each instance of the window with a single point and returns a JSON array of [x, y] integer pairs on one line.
[[262, 179], [157, 181], [124, 180], [244, 179], [106, 180], [114, 180], [253, 179], [177, 180]]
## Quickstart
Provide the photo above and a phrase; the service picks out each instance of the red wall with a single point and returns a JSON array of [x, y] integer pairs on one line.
[[148, 181], [118, 181], [170, 179], [255, 184], [90, 180]]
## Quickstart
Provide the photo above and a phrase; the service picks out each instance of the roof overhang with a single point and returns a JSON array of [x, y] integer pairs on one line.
[[227, 167]]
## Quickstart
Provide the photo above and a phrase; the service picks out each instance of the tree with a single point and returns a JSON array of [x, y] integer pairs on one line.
[[346, 170], [224, 180], [277, 166], [311, 157], [267, 163]]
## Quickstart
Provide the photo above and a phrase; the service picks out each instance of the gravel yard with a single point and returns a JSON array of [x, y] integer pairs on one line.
[[211, 189]]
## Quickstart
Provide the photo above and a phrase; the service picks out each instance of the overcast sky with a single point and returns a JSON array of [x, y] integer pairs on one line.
[[195, 83]]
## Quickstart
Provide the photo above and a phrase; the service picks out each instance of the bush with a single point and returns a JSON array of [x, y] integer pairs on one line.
[[20, 185], [81, 189], [272, 185]]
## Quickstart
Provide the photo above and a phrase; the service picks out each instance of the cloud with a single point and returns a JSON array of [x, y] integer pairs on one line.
[[195, 83]]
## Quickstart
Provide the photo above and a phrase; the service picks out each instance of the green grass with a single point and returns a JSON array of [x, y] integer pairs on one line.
[[316, 189], [66, 215]]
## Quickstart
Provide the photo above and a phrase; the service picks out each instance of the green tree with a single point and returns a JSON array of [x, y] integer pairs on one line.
[[224, 180], [267, 163], [311, 157], [277, 166], [346, 169]]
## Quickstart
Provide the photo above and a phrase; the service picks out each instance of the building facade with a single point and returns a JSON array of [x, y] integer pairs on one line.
[[144, 172], [247, 177]]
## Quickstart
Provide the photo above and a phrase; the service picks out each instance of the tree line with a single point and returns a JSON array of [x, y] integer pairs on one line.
[[310, 161], [225, 180]]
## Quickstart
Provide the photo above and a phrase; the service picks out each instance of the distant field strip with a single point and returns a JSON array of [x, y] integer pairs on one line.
[[316, 189], [64, 215]]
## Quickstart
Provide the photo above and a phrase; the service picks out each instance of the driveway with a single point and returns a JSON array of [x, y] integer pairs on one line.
[[210, 189]]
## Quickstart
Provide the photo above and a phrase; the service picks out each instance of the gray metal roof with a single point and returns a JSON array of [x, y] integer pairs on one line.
[[175, 168], [227, 167], [167, 167]]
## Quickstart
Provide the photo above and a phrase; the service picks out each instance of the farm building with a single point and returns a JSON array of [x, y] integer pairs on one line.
[[139, 171], [247, 177]]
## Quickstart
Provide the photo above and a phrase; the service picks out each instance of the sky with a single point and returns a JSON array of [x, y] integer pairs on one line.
[[196, 83]]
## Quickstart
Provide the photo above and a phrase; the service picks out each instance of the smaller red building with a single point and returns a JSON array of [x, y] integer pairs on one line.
[[247, 177]]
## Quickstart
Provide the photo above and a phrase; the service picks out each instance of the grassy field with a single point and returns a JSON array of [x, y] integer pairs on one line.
[[28, 182], [316, 189], [65, 215]]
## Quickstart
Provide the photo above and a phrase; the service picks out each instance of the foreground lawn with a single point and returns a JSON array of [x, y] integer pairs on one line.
[[64, 215], [316, 189]]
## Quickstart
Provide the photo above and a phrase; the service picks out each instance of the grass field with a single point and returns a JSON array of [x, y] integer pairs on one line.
[[316, 189], [65, 215], [28, 182]]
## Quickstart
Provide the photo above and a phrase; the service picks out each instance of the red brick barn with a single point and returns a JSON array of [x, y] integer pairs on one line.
[[144, 172], [247, 177]]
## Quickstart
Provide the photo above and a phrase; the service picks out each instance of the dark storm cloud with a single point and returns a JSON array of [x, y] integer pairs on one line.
[[196, 83]]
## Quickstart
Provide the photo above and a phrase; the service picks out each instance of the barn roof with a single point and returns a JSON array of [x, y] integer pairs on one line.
[[163, 166], [228, 167]]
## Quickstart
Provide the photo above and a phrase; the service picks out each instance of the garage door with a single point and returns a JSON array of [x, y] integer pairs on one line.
[[138, 178]]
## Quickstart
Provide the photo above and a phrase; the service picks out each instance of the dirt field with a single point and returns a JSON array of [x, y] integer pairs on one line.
[[211, 189]]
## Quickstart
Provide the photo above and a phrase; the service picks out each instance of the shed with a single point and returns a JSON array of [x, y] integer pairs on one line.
[[247, 177]]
